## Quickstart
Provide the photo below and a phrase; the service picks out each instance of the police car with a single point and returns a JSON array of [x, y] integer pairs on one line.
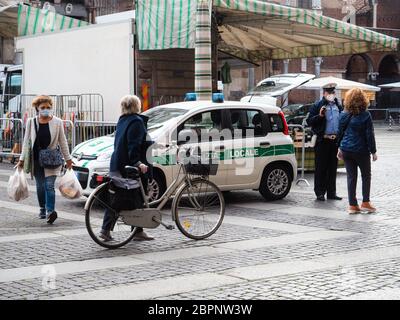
[[250, 141]]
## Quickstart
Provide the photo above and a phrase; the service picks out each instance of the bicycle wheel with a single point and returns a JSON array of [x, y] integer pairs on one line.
[[95, 208], [198, 208]]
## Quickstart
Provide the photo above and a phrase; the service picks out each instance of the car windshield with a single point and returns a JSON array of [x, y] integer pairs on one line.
[[269, 87], [158, 116]]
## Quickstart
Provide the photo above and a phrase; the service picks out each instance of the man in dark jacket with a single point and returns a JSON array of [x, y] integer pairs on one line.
[[324, 121]]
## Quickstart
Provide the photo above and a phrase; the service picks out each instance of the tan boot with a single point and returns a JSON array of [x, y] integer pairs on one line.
[[354, 210], [368, 207]]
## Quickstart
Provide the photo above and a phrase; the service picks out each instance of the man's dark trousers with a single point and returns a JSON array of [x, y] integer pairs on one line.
[[326, 164]]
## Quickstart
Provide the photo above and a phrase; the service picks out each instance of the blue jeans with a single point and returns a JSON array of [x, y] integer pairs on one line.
[[45, 190]]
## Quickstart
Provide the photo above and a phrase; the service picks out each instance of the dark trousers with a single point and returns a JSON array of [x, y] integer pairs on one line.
[[326, 163], [353, 161]]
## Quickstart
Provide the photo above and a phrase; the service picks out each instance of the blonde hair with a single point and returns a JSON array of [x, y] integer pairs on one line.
[[356, 101], [41, 99], [130, 104]]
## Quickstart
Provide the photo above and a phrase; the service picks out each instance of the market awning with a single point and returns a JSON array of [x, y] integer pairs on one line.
[[342, 84], [395, 85], [22, 20], [9, 21], [256, 30]]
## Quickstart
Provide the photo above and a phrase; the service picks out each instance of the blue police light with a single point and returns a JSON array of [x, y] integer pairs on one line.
[[218, 97], [191, 96]]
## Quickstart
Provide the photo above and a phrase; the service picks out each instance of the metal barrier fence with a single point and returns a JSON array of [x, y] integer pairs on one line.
[[302, 168], [89, 107], [86, 130], [394, 118], [12, 132], [380, 114], [11, 138]]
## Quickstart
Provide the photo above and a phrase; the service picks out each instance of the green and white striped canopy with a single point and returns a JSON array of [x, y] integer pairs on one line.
[[23, 20], [256, 30], [34, 20]]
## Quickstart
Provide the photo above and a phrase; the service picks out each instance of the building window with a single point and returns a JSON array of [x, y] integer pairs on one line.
[[305, 4]]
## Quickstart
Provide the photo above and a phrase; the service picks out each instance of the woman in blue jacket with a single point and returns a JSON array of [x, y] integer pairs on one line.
[[129, 144], [356, 146]]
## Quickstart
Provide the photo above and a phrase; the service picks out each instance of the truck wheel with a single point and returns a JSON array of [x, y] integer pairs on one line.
[[275, 183], [156, 188]]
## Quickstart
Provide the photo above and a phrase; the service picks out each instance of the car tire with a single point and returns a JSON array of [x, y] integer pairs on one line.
[[157, 186], [276, 182]]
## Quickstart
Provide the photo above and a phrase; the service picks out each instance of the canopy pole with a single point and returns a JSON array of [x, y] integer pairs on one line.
[[203, 65]]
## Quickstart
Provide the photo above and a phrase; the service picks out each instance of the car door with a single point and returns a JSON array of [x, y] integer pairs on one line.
[[203, 131], [249, 141]]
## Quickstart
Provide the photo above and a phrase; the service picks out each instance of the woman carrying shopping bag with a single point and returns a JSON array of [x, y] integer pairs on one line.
[[356, 145], [45, 147]]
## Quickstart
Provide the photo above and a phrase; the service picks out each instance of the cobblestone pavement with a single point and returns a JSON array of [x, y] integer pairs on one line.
[[295, 248]]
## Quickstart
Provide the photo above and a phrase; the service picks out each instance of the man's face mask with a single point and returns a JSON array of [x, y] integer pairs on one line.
[[331, 97]]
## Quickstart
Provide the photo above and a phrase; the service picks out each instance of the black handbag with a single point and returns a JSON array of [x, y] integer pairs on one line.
[[49, 159], [124, 199]]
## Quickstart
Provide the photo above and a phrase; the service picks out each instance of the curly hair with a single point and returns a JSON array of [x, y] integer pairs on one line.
[[356, 101], [41, 99]]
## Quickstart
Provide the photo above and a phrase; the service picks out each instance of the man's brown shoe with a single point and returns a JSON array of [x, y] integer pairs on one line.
[[368, 207], [354, 210]]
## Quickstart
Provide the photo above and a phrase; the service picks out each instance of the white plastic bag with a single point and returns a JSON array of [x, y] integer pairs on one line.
[[18, 186], [70, 186]]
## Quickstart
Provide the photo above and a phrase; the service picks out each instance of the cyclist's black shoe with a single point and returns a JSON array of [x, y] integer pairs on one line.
[[105, 235]]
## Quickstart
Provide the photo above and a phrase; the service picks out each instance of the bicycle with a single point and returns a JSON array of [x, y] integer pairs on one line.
[[198, 206]]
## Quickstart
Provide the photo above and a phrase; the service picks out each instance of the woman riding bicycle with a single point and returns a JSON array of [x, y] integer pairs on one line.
[[130, 145]]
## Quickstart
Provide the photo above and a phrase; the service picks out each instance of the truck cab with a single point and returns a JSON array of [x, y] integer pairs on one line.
[[11, 89]]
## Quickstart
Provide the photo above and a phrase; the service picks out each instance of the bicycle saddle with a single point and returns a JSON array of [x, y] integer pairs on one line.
[[132, 172]]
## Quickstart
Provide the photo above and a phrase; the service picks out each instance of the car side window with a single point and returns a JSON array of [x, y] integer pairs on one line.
[[249, 122], [201, 124], [275, 123]]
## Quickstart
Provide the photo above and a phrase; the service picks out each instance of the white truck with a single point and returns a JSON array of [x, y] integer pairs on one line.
[[96, 59]]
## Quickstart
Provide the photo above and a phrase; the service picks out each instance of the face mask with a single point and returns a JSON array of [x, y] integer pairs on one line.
[[330, 97], [46, 113]]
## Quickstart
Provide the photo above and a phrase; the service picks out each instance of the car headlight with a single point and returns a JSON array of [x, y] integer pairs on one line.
[[103, 157]]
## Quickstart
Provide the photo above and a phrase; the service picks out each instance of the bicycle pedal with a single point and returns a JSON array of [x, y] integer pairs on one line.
[[170, 227]]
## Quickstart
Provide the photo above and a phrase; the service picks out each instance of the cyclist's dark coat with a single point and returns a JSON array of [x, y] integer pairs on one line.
[[131, 143]]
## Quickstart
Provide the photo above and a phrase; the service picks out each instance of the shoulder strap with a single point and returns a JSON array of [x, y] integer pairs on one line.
[[35, 120]]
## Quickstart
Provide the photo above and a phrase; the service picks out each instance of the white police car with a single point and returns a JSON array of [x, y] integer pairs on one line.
[[250, 141]]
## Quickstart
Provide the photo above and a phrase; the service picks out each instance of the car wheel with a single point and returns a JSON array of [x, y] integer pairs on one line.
[[276, 182], [156, 188]]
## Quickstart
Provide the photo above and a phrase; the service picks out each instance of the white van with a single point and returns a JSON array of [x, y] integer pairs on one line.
[[264, 160]]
